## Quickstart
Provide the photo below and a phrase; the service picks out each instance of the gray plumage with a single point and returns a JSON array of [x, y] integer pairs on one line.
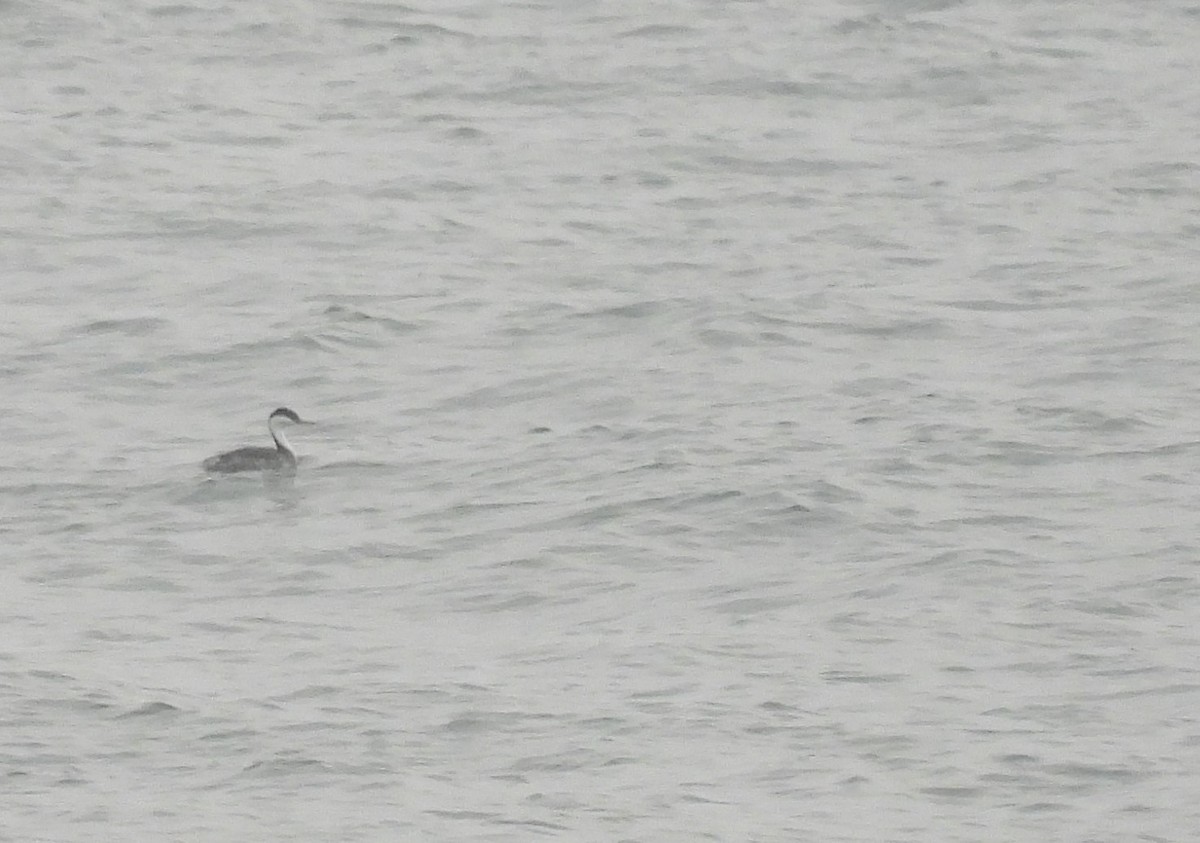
[[279, 458]]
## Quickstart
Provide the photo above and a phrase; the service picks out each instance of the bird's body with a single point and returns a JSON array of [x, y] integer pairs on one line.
[[251, 459], [279, 458]]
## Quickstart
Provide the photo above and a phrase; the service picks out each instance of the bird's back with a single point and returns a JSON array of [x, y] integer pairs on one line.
[[248, 459]]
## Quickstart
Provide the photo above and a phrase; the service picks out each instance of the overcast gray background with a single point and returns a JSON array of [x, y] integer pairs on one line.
[[739, 421]]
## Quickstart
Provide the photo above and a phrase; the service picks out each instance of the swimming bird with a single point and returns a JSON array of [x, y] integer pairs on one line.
[[279, 458]]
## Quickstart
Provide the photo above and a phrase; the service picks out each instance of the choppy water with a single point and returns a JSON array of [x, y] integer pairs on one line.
[[739, 421]]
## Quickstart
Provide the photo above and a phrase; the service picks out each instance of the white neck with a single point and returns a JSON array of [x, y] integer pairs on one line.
[[276, 426]]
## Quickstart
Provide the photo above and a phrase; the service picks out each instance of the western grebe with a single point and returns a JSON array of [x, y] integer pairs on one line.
[[279, 458]]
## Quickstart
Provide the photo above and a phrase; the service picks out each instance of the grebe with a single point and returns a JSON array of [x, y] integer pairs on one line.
[[279, 458]]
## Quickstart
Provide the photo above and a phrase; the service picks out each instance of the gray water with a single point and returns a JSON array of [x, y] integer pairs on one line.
[[746, 421]]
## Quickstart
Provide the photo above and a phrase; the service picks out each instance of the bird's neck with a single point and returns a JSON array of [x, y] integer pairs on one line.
[[280, 440]]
